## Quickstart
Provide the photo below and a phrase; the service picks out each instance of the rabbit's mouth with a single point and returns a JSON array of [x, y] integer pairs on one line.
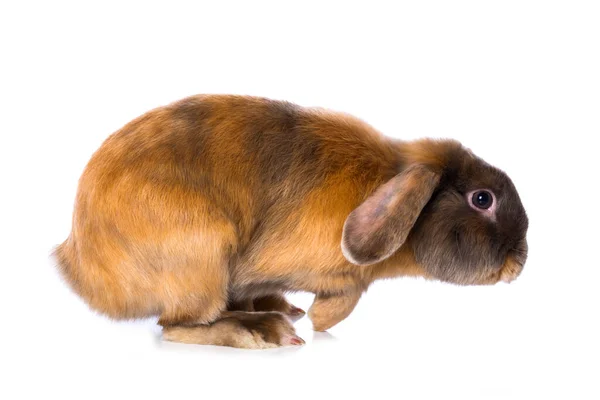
[[511, 269], [508, 272], [514, 262], [512, 266]]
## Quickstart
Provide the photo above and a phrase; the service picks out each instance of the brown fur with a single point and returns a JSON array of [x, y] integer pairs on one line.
[[222, 200]]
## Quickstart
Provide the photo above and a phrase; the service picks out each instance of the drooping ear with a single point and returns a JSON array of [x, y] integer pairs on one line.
[[380, 225]]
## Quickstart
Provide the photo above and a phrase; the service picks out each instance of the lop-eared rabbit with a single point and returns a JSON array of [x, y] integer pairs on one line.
[[206, 211]]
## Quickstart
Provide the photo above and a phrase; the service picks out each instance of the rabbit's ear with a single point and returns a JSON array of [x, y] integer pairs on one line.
[[380, 225]]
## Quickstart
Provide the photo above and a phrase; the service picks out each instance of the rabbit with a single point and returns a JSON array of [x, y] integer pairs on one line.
[[204, 212]]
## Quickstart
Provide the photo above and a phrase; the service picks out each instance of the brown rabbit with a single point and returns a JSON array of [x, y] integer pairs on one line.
[[204, 212]]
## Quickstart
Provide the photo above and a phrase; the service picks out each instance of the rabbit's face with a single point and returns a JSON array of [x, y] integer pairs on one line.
[[473, 229]]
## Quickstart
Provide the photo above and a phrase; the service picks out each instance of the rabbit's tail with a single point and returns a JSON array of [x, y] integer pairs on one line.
[[64, 262]]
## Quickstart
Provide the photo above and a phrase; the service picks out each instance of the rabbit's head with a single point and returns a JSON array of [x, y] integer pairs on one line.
[[462, 218]]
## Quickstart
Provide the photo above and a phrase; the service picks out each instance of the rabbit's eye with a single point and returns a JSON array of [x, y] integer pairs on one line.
[[482, 199]]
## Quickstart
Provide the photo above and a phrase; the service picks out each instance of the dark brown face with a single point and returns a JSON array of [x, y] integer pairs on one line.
[[473, 230]]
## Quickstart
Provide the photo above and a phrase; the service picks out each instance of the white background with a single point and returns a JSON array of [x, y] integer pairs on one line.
[[516, 81]]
